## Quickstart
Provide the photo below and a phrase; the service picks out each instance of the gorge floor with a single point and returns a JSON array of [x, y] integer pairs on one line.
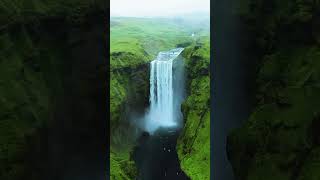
[[156, 157]]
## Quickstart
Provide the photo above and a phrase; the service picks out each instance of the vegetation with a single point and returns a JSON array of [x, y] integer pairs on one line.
[[134, 43], [280, 140], [37, 68], [144, 38], [33, 62], [33, 11], [129, 38], [27, 83], [193, 145]]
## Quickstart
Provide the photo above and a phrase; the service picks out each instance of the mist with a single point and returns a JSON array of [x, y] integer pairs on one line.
[[158, 8], [167, 91]]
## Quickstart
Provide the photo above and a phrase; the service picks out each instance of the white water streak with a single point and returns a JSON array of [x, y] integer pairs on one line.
[[161, 91]]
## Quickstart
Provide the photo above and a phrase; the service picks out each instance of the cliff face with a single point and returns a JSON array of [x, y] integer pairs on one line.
[[134, 43], [26, 12], [52, 87], [129, 92], [193, 145], [280, 140]]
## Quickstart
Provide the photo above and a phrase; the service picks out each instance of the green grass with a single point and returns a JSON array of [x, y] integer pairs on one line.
[[145, 37], [121, 165], [134, 42], [25, 102], [26, 11], [279, 131], [193, 145]]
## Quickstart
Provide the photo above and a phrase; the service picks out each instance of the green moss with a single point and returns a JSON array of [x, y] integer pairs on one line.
[[128, 59], [311, 168], [122, 166], [125, 93], [25, 97], [146, 36], [30, 11], [120, 142], [264, 168], [193, 145], [280, 125], [33, 62], [134, 42], [279, 135]]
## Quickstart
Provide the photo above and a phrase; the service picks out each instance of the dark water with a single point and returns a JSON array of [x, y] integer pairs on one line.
[[156, 156]]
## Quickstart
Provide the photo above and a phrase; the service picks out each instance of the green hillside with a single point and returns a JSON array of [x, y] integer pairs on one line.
[[134, 42], [36, 53], [193, 145], [280, 140]]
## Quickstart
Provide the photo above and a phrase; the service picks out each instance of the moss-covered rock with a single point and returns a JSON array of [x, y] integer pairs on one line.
[[36, 57], [122, 166], [277, 141], [311, 168], [129, 90], [134, 43], [193, 145], [32, 11], [25, 90]]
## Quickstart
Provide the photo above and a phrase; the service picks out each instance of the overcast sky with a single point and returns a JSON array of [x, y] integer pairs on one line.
[[146, 8]]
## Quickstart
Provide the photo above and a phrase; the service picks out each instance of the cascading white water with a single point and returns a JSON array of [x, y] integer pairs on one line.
[[161, 113], [161, 100]]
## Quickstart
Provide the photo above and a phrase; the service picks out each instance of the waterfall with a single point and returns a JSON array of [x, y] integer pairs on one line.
[[161, 113], [161, 100]]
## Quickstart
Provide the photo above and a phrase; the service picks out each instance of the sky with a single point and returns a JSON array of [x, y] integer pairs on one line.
[[151, 8]]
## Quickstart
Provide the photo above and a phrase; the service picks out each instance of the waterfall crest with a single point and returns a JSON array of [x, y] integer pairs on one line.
[[161, 113]]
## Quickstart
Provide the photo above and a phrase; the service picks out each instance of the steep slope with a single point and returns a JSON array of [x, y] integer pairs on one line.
[[134, 42], [193, 145], [49, 60], [129, 90], [280, 140]]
